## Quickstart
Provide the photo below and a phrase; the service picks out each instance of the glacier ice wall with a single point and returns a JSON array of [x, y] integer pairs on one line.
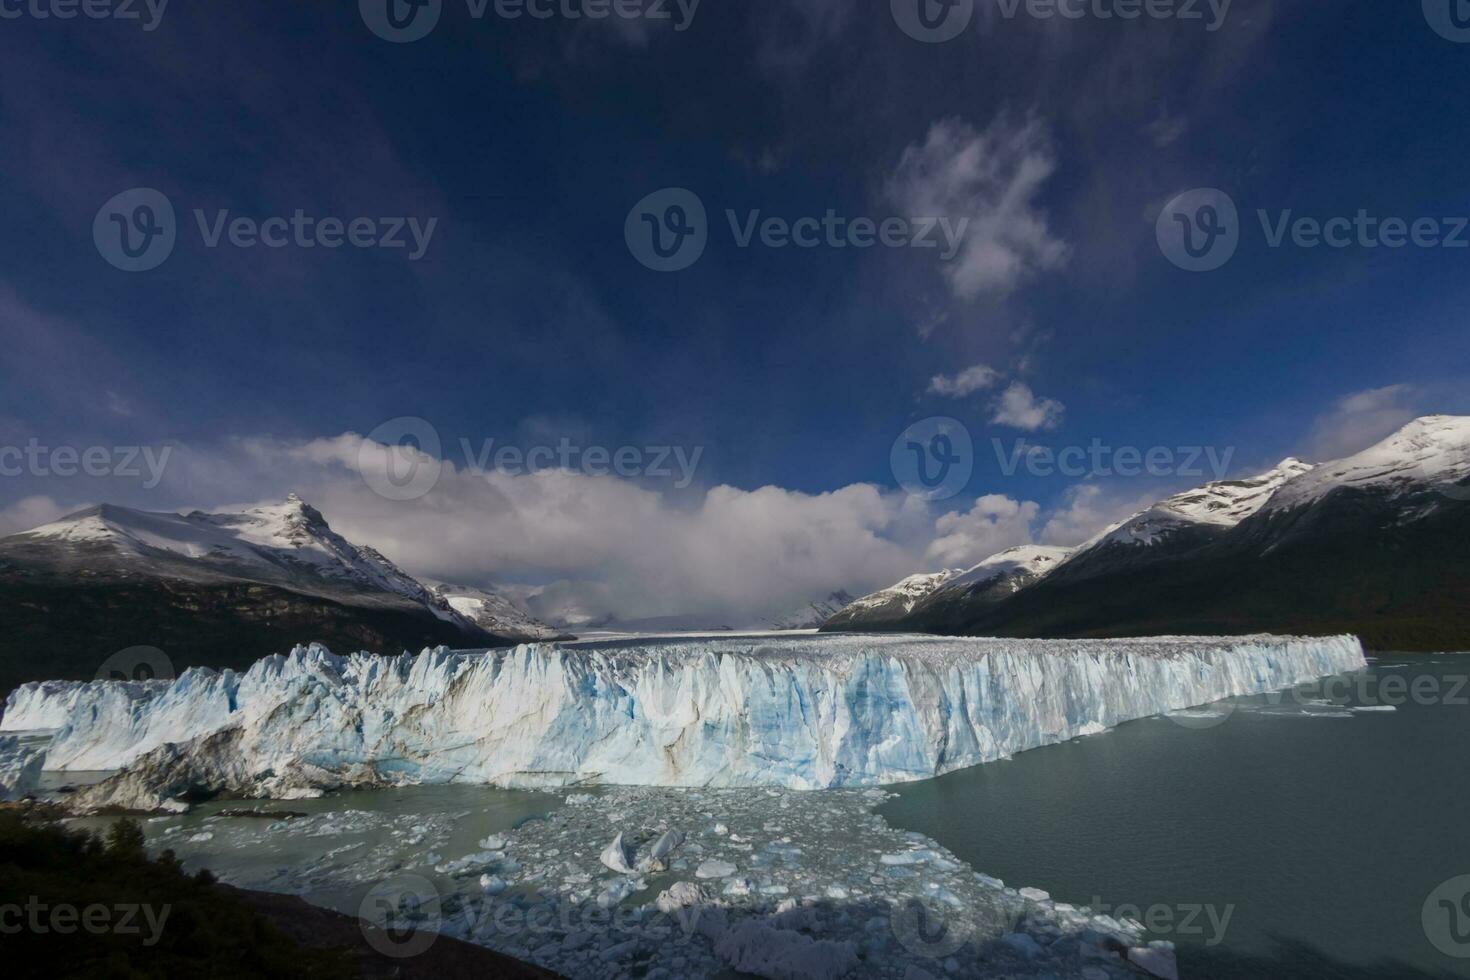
[[803, 713]]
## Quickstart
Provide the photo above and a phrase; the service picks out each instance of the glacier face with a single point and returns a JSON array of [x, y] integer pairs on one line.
[[804, 713]]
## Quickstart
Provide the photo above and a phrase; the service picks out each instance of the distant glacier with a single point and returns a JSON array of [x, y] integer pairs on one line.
[[808, 712]]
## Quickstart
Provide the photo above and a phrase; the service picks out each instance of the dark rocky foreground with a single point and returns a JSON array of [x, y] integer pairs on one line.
[[317, 928]]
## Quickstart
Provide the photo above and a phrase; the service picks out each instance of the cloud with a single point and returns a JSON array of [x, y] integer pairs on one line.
[[587, 546], [994, 524], [967, 382], [1087, 510], [992, 179], [30, 512], [578, 547], [1020, 408], [1361, 419]]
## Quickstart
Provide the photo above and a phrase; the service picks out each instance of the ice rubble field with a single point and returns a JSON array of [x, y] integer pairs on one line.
[[671, 883], [802, 713]]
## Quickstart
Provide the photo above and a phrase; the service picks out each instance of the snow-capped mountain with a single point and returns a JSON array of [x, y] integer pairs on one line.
[[1371, 544], [813, 614], [208, 589], [289, 544], [997, 576], [1218, 505], [1432, 452], [497, 614]]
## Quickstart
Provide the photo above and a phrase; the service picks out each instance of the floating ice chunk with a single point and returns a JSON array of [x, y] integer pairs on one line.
[[469, 862], [1157, 959], [619, 889], [1376, 707], [492, 884], [495, 842], [740, 886], [656, 858], [680, 895], [618, 856], [1034, 895], [756, 948], [714, 868]]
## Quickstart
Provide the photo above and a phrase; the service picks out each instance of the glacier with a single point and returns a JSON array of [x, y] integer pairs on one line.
[[810, 712]]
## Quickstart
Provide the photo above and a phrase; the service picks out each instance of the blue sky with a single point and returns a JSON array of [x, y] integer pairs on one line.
[[528, 320]]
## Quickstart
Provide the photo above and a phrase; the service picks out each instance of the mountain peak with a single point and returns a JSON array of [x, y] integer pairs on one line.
[[1430, 451]]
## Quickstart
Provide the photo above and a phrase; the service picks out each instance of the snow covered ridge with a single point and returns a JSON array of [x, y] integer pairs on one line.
[[1433, 451], [807, 713]]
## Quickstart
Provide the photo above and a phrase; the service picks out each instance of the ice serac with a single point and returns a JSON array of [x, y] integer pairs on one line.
[[803, 713]]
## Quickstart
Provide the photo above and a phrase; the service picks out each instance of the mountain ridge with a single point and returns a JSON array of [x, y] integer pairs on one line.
[[1365, 545]]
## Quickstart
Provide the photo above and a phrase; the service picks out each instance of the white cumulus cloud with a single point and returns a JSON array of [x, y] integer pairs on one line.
[[991, 178], [1020, 408]]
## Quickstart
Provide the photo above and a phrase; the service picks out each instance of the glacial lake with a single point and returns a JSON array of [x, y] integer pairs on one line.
[[1300, 835], [1321, 831]]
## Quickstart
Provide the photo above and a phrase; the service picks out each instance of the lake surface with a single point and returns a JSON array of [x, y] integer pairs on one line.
[[1320, 829]]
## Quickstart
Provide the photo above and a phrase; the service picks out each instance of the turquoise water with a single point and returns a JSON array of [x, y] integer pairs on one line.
[[1287, 836]]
